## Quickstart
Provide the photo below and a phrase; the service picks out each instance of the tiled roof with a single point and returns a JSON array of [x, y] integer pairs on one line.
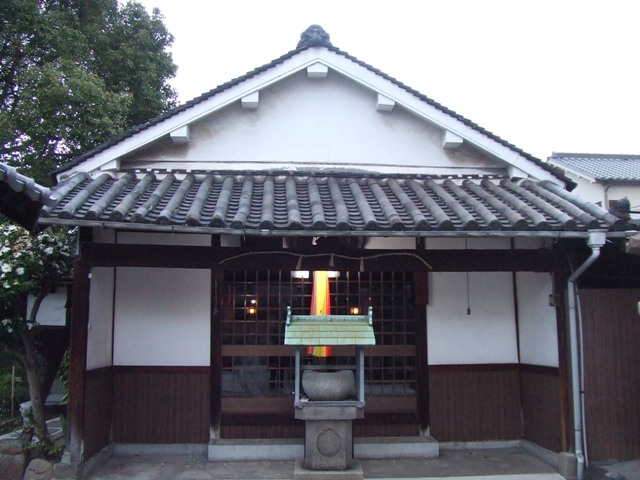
[[308, 203], [304, 46], [20, 197], [20, 183], [329, 330], [602, 167]]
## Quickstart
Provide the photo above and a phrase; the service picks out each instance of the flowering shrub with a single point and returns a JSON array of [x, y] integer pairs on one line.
[[28, 265]]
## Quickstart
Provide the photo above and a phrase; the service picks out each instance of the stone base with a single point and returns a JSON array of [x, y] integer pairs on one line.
[[354, 473], [328, 444], [567, 465], [12, 460]]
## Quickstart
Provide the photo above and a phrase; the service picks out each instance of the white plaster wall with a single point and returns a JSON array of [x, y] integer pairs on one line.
[[52, 311], [156, 238], [100, 335], [390, 243], [312, 123], [487, 335], [162, 317], [537, 319]]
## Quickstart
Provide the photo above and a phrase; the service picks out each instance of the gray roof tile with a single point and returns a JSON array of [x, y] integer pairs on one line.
[[20, 197], [256, 202], [602, 167]]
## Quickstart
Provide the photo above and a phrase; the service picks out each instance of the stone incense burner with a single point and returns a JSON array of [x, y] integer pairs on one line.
[[329, 401]]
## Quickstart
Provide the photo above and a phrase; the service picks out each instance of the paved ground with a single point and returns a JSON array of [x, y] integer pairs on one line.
[[502, 464]]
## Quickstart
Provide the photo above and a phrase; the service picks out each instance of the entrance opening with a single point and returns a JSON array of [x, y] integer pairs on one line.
[[258, 369]]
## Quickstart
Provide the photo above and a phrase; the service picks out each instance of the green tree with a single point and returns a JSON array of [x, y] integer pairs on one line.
[[75, 73], [29, 266]]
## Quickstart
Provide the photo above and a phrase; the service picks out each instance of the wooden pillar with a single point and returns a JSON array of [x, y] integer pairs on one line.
[[78, 357], [421, 289], [566, 424], [216, 350]]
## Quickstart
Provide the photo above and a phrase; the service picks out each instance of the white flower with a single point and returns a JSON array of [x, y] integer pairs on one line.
[[9, 329], [6, 268], [48, 250], [19, 271]]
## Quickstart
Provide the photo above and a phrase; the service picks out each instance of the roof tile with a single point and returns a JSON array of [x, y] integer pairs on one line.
[[603, 167], [310, 203]]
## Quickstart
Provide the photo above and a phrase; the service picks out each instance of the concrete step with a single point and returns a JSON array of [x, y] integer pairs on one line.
[[293, 448]]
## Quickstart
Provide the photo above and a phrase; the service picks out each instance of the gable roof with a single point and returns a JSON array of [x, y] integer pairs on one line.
[[599, 167], [316, 48], [285, 204]]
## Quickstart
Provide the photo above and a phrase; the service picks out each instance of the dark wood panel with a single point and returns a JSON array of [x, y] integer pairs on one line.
[[98, 410], [161, 404], [611, 331], [540, 390], [474, 402]]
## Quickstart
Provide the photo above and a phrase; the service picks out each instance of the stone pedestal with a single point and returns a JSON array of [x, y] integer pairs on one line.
[[329, 433]]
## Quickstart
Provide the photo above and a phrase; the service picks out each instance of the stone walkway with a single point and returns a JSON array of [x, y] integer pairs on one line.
[[503, 464]]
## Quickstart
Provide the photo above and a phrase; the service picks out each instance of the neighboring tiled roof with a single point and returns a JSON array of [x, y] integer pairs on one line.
[[283, 58], [20, 197], [280, 202], [600, 167]]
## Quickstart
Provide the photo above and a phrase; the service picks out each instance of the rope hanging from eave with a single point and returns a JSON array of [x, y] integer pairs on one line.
[[331, 257]]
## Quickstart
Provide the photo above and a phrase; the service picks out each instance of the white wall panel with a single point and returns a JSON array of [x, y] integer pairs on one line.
[[487, 334], [100, 335], [53, 309], [537, 319], [391, 243], [162, 317]]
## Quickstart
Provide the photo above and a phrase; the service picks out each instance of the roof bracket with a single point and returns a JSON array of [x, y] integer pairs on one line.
[[317, 70], [251, 101], [180, 135], [451, 141], [384, 104]]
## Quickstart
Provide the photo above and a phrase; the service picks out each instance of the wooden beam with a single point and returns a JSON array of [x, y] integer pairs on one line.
[[174, 256]]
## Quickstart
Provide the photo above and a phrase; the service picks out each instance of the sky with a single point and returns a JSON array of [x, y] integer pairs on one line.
[[544, 75]]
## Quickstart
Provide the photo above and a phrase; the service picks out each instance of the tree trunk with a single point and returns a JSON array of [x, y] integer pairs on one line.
[[35, 395]]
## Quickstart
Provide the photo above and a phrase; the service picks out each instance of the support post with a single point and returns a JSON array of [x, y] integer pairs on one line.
[[78, 360]]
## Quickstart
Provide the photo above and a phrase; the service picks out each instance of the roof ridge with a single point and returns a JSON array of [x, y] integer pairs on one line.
[[620, 156]]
